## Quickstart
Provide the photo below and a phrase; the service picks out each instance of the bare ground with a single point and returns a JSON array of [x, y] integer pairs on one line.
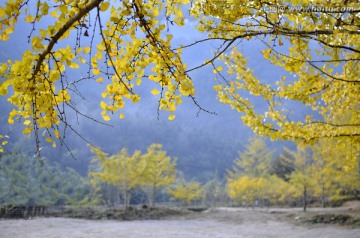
[[214, 223]]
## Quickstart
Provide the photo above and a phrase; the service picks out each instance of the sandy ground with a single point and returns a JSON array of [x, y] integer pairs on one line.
[[215, 223]]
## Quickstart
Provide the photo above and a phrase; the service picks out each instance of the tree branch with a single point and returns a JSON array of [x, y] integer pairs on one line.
[[62, 31]]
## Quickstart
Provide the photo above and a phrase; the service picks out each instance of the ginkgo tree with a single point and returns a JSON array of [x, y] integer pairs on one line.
[[315, 41], [153, 169], [123, 170], [186, 192], [248, 181], [160, 170]]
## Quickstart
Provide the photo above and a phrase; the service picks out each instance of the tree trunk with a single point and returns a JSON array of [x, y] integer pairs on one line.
[[323, 196], [304, 199], [153, 199], [125, 189]]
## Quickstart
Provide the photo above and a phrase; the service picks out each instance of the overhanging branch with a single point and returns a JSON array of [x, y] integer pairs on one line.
[[62, 31]]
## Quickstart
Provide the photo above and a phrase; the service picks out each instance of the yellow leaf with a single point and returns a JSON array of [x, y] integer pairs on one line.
[[104, 6], [135, 98], [8, 30], [48, 139], [179, 14], [86, 50], [4, 37], [100, 48], [155, 91], [57, 134], [171, 117], [100, 80], [43, 33], [45, 8], [82, 60], [169, 37], [27, 122], [10, 120], [218, 69], [121, 116], [2, 12], [54, 14], [106, 117], [103, 105], [280, 41], [96, 71], [74, 65], [29, 18]]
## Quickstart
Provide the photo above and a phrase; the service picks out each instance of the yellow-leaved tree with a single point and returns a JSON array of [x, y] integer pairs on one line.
[[315, 43], [242, 189], [302, 177], [246, 181], [160, 170], [254, 161], [129, 40], [186, 192], [336, 169], [121, 169]]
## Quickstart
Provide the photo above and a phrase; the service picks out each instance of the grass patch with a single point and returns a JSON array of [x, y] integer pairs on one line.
[[340, 219], [131, 213]]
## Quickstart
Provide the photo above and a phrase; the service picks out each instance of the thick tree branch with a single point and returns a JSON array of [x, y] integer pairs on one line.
[[62, 31]]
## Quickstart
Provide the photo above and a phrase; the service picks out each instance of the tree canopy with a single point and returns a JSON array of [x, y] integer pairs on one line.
[[120, 44]]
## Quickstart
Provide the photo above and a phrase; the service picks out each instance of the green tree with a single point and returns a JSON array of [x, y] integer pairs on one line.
[[26, 181], [15, 179], [160, 169]]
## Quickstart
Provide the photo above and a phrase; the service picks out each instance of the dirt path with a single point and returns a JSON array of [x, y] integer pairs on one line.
[[216, 223]]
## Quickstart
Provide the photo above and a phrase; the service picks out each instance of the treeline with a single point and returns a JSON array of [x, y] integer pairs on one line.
[[325, 172], [322, 173], [119, 179], [140, 177], [27, 181]]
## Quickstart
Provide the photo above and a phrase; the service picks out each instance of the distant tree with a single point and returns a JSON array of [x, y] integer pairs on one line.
[[301, 177], [16, 180], [336, 169], [215, 192], [25, 181], [186, 192], [247, 180], [242, 189], [282, 165], [121, 169], [160, 169], [254, 161], [278, 191]]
